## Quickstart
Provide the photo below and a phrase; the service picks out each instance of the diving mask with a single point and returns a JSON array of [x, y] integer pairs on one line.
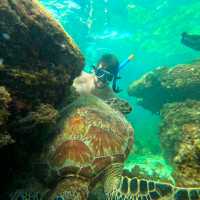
[[103, 75]]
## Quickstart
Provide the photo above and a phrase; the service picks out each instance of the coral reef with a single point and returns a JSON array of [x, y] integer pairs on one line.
[[164, 85], [38, 62], [180, 139]]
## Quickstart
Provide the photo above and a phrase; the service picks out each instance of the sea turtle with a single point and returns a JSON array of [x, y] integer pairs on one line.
[[108, 96], [93, 136], [91, 144]]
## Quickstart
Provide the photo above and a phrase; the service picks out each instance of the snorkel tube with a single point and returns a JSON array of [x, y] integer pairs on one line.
[[125, 62]]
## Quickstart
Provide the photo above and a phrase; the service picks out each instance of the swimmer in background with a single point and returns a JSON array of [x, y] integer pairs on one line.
[[107, 70]]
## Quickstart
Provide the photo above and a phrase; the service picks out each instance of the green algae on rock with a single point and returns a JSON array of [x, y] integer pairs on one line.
[[164, 85], [180, 140], [174, 93], [40, 59]]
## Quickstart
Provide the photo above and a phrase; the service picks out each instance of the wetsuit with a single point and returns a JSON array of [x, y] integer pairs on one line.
[[115, 74]]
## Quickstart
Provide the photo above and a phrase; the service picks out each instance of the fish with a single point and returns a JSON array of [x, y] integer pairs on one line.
[[191, 40]]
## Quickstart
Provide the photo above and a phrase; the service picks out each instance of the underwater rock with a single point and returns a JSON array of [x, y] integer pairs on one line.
[[41, 122], [39, 59], [180, 140], [165, 85], [38, 62], [90, 137]]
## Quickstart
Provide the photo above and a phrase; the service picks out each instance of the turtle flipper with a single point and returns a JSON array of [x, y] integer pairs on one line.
[[187, 194], [141, 189], [25, 195]]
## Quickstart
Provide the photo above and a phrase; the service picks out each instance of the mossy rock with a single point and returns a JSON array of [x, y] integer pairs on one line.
[[166, 85], [38, 62], [180, 140]]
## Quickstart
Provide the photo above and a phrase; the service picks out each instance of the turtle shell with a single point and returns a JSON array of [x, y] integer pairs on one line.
[[91, 136]]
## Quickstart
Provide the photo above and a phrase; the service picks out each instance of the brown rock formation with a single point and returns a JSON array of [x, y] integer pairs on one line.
[[174, 93], [165, 85], [38, 62], [180, 139]]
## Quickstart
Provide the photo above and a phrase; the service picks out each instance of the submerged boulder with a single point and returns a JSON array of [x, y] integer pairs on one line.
[[174, 94], [38, 62], [180, 140], [165, 85], [38, 59]]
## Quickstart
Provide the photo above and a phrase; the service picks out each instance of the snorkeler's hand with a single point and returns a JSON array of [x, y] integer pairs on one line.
[[131, 57]]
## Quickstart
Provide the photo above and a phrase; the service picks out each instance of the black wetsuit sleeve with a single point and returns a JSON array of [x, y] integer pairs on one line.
[[114, 85]]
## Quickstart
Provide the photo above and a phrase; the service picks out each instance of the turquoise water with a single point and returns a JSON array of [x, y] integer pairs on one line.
[[151, 29]]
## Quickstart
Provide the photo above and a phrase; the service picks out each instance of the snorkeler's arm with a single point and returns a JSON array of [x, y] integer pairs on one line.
[[125, 62]]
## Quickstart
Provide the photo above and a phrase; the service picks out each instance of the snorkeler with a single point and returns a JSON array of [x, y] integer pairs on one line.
[[190, 40], [107, 70]]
